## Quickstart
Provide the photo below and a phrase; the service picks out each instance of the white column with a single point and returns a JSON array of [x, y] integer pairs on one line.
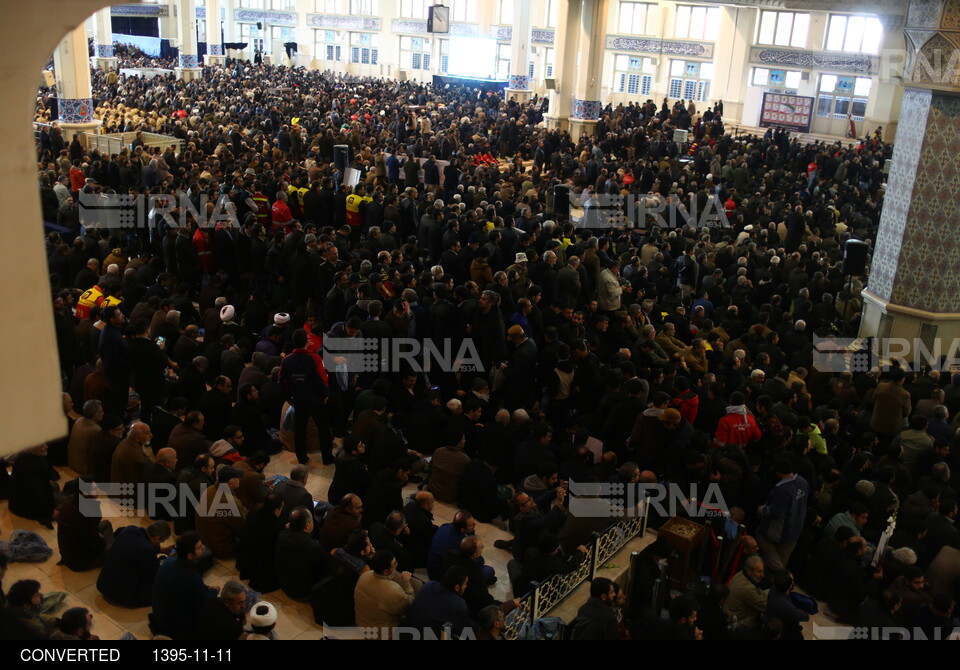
[[103, 40], [214, 41], [72, 69], [586, 104], [519, 87], [168, 23], [189, 64], [883, 108], [565, 63], [731, 57]]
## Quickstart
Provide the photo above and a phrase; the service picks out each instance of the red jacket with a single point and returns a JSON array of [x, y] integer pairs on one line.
[[736, 428], [687, 403], [202, 244]]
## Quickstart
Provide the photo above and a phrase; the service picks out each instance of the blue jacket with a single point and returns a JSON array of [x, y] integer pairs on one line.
[[446, 538], [435, 606], [129, 569], [178, 598], [786, 510]]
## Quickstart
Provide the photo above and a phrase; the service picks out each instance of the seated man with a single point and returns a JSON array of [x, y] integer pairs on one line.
[[179, 594], [301, 561], [448, 537], [220, 515], [131, 565], [382, 595], [293, 491], [747, 601], [341, 521]]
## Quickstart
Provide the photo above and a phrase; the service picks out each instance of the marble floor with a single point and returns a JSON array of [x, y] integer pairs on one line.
[[295, 620]]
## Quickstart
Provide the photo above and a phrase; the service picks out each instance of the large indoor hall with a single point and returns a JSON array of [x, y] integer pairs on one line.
[[478, 320]]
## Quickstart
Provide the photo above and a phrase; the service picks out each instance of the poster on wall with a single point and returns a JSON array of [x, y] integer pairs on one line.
[[793, 112]]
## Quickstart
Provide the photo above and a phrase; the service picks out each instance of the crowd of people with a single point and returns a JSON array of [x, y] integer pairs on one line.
[[196, 349]]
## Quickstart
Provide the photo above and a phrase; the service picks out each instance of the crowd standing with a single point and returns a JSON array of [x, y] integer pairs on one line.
[[193, 350]]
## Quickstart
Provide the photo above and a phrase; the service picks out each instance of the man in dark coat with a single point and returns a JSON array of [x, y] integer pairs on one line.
[[126, 578]]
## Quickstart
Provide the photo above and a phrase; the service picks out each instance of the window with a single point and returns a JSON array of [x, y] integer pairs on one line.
[[201, 30], [854, 34], [253, 37], [505, 12], [637, 18], [364, 7], [776, 78], [548, 60], [463, 10], [414, 9], [281, 33], [785, 29], [690, 80], [550, 20], [697, 23], [415, 53], [326, 45], [503, 60], [364, 48], [632, 74], [288, 5], [842, 95], [444, 56], [251, 4], [328, 6]]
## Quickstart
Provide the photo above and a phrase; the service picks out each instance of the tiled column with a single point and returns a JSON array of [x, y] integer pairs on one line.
[[103, 41], [913, 288], [189, 64], [586, 105], [72, 68], [519, 87], [215, 54]]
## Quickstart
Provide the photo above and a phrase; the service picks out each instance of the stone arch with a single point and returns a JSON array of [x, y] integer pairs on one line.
[[31, 412]]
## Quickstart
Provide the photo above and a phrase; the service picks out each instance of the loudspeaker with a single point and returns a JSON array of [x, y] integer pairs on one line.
[[259, 26], [854, 258], [550, 83], [561, 201], [341, 156]]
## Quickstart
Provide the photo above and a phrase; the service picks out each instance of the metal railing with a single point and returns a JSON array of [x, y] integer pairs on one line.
[[546, 595]]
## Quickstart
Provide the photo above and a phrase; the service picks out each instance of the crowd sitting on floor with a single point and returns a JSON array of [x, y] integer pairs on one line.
[[193, 352]]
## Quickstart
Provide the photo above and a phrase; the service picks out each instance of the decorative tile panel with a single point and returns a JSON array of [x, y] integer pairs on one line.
[[140, 10], [104, 51], [930, 250], [76, 110], [657, 46], [215, 49], [896, 201], [346, 22], [265, 16], [542, 36], [815, 60], [519, 82], [923, 13], [502, 33], [201, 12], [189, 61], [586, 110]]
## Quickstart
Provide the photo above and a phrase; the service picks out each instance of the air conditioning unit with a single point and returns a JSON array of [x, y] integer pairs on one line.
[[804, 76], [402, 75], [550, 83], [654, 61]]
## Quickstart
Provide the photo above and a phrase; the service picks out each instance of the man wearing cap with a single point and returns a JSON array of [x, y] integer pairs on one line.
[[220, 515], [520, 265], [262, 618]]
